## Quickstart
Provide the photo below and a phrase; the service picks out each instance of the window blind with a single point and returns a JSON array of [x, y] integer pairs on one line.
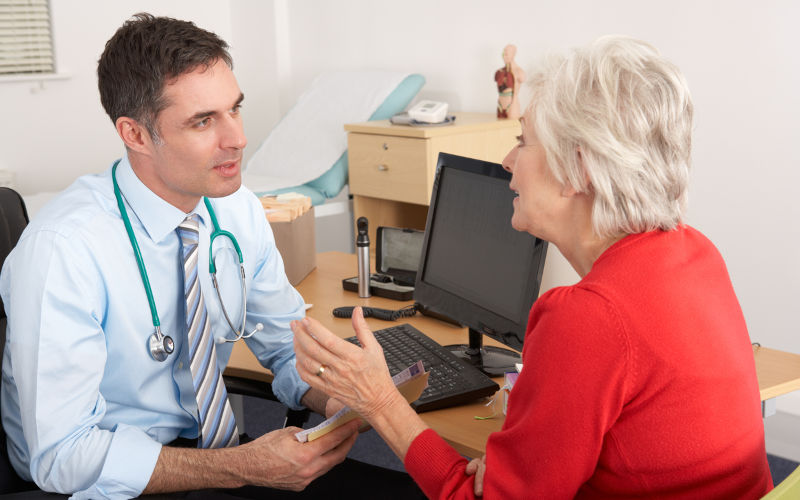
[[26, 45]]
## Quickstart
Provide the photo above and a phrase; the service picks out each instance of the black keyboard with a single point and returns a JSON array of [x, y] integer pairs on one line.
[[451, 381]]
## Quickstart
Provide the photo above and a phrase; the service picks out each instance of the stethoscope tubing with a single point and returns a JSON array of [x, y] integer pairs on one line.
[[137, 253], [161, 345]]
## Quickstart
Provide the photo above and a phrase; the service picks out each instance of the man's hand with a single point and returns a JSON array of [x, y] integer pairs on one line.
[[276, 460], [478, 467], [280, 461]]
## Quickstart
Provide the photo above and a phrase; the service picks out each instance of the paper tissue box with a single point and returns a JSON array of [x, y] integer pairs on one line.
[[291, 218]]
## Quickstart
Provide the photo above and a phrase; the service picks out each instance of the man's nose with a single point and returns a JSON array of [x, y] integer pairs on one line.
[[234, 136]]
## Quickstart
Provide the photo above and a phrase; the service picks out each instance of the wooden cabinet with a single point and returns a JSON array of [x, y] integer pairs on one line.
[[392, 166]]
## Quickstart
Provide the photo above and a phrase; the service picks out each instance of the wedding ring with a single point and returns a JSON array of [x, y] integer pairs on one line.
[[320, 371]]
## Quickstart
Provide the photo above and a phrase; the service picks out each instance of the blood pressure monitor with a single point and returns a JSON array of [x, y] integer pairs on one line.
[[428, 111]]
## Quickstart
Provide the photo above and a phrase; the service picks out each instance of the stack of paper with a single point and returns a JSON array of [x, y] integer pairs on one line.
[[285, 207]]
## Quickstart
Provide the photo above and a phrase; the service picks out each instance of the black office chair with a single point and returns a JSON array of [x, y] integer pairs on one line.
[[13, 219]]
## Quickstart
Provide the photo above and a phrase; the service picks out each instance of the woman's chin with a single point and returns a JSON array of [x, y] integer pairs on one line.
[[517, 224]]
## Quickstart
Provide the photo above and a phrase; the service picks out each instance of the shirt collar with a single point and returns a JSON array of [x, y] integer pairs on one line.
[[158, 217]]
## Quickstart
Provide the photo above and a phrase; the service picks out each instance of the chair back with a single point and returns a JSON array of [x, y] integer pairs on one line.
[[13, 219], [788, 489]]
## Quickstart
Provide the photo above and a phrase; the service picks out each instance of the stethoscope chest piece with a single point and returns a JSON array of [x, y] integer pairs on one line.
[[161, 345]]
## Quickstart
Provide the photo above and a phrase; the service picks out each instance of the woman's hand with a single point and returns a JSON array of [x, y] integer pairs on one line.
[[477, 466], [356, 376]]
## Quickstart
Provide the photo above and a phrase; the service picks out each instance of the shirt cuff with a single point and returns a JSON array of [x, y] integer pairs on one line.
[[128, 467], [288, 386]]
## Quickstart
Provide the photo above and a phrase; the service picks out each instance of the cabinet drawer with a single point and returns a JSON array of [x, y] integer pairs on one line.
[[390, 168]]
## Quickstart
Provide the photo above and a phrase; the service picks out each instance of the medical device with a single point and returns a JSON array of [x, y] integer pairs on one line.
[[161, 346], [362, 248], [428, 111]]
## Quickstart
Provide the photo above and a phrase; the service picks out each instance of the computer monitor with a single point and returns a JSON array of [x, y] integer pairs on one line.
[[476, 269]]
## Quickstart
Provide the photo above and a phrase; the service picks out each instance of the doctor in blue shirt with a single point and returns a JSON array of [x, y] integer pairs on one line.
[[88, 408]]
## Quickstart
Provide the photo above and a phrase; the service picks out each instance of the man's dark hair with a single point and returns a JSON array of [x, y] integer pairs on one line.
[[143, 56]]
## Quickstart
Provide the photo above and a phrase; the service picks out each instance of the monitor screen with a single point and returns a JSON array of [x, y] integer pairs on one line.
[[475, 268]]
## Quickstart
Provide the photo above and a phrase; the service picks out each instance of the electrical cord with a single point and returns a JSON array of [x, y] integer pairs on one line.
[[375, 312]]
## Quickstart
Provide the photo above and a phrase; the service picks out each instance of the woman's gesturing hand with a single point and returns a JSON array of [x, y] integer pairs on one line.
[[356, 376]]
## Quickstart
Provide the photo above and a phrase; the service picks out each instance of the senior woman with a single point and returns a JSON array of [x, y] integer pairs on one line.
[[639, 380]]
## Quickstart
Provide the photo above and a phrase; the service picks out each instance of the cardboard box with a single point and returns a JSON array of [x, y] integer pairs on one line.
[[297, 244]]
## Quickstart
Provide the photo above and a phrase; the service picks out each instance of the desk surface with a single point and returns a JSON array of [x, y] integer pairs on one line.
[[778, 372]]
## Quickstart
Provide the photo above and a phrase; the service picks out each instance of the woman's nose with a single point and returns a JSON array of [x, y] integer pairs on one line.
[[509, 160]]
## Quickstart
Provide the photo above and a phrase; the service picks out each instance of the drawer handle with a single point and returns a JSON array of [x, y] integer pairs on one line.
[[383, 168]]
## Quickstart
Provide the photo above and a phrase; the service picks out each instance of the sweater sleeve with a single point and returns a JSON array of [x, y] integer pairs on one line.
[[437, 468], [570, 392]]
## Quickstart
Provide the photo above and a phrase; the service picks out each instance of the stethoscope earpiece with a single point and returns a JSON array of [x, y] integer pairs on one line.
[[239, 335]]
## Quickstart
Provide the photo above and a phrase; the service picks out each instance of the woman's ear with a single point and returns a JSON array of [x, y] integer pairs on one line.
[[568, 189], [133, 134]]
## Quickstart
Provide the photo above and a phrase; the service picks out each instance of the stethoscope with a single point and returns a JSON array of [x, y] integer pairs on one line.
[[162, 345]]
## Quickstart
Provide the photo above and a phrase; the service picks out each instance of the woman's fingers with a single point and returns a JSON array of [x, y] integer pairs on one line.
[[311, 357], [477, 467], [362, 330], [316, 347], [327, 340]]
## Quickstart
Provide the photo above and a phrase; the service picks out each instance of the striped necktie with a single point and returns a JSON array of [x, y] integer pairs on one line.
[[217, 424]]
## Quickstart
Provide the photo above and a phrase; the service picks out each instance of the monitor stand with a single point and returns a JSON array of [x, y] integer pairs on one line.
[[493, 361]]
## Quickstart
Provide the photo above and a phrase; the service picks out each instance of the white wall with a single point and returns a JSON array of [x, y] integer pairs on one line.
[[256, 64], [738, 56]]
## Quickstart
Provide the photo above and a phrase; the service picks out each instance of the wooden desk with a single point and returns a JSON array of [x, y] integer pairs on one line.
[[778, 372]]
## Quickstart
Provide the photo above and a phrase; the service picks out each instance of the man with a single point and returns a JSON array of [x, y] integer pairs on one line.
[[91, 396]]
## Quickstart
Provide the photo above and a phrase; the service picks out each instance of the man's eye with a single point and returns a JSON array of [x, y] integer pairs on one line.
[[520, 140], [236, 109], [202, 123]]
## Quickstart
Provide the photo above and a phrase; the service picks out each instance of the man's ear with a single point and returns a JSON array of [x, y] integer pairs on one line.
[[133, 134]]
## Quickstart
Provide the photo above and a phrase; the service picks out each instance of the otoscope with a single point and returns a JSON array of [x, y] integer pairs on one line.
[[362, 248]]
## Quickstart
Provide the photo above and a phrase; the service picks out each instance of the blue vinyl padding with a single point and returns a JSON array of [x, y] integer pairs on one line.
[[334, 179]]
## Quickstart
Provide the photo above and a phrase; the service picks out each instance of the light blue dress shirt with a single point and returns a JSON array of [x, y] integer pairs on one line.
[[85, 406]]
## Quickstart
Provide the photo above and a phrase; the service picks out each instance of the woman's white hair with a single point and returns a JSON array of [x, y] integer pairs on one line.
[[615, 120]]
